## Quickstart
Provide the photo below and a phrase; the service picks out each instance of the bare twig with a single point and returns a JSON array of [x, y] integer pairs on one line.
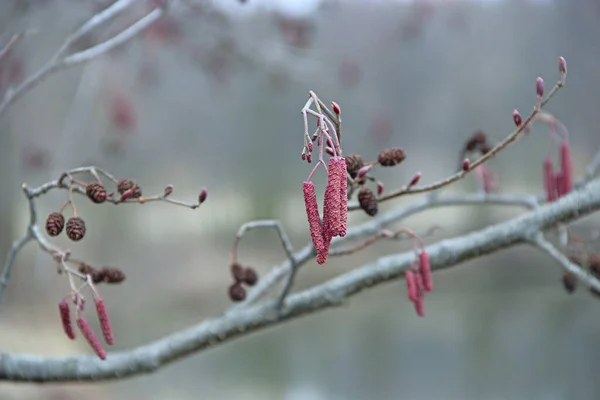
[[445, 254], [408, 190], [285, 242], [375, 225], [540, 242], [62, 59], [33, 231]]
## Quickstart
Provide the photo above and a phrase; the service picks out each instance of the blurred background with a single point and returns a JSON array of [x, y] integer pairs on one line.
[[211, 96]]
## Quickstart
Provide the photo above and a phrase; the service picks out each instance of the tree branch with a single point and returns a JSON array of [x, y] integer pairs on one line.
[[62, 60], [444, 254]]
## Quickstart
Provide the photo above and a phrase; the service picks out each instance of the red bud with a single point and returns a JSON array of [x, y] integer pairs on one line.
[[562, 65], [415, 179], [202, 196], [466, 164], [168, 190], [336, 108], [539, 87], [379, 188], [329, 150], [517, 118], [363, 171]]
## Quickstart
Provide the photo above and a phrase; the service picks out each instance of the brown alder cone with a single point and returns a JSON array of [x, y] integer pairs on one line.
[[96, 192], [75, 228], [55, 224], [368, 201], [126, 184], [391, 157], [354, 162]]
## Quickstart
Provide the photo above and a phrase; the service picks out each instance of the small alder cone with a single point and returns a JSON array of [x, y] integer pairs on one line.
[[238, 272], [237, 292], [75, 229], [96, 192], [391, 157], [97, 275], [354, 162], [126, 184], [250, 276], [112, 275], [55, 224], [368, 201]]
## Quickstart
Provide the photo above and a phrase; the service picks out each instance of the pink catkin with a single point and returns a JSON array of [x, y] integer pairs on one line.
[[312, 213], [419, 301], [411, 285], [566, 165], [341, 165], [331, 202], [65, 317], [88, 334], [425, 270], [549, 182], [104, 321]]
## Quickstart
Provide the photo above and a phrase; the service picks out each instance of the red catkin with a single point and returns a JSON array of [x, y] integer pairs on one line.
[[411, 285], [312, 213], [332, 204], [566, 165], [341, 166], [65, 317], [93, 341], [104, 321], [425, 271], [549, 180], [419, 302]]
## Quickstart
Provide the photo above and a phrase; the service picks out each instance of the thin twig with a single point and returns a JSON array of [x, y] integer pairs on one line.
[[285, 242], [459, 175], [541, 243], [62, 60]]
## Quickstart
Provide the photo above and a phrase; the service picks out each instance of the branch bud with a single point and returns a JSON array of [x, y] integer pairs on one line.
[[517, 118], [364, 171], [336, 108], [415, 180], [202, 196], [466, 164], [539, 87]]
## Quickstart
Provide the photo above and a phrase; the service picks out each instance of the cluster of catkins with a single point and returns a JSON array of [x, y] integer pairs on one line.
[[559, 183], [335, 208], [96, 192], [241, 275], [359, 170], [83, 325], [419, 281]]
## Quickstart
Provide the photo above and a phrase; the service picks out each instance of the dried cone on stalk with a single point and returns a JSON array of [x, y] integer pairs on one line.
[[97, 275], [112, 275], [55, 224], [75, 228], [354, 162], [237, 292], [368, 201], [96, 192], [391, 157], [250, 276], [127, 184]]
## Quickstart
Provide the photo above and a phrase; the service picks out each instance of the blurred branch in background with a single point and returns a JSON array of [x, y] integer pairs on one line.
[[63, 59]]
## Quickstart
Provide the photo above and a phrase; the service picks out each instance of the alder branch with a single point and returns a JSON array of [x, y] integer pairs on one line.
[[33, 231], [445, 254], [62, 59], [375, 226]]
